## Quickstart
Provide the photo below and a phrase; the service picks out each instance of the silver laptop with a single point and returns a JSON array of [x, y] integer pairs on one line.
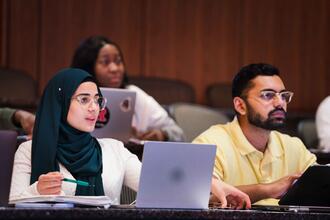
[[116, 119], [176, 175], [8, 141]]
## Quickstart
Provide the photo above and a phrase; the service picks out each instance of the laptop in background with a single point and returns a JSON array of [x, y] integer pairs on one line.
[[8, 141], [116, 119], [176, 175]]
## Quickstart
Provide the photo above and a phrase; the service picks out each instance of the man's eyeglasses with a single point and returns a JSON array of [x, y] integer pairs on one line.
[[85, 100], [271, 95]]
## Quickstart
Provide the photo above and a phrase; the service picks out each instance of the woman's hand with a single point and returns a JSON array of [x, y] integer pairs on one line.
[[50, 183], [151, 135]]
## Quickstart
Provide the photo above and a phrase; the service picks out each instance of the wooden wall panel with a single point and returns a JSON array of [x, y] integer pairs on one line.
[[197, 41], [325, 85], [78, 19], [3, 32], [312, 87], [23, 36], [290, 35], [221, 40], [194, 40]]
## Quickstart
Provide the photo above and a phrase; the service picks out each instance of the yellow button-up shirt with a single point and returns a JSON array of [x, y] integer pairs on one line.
[[239, 163]]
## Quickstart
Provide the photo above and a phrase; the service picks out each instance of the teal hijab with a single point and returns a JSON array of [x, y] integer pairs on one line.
[[55, 141]]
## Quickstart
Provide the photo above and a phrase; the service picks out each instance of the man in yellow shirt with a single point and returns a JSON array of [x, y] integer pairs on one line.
[[251, 155]]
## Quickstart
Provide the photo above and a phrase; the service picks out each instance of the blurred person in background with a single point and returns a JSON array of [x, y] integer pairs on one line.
[[16, 119], [323, 124], [104, 59]]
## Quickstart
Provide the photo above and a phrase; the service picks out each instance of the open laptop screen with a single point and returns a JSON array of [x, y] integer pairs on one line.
[[116, 119], [176, 175]]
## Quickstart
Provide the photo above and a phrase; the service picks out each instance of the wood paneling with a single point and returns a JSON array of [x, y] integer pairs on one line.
[[66, 23], [23, 36], [3, 32], [292, 36], [197, 41]]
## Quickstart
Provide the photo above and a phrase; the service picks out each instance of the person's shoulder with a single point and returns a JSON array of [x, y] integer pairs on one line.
[[324, 106], [326, 100], [25, 145], [110, 142], [217, 129], [294, 148], [288, 140], [139, 92], [114, 148], [111, 146], [134, 88], [215, 132], [24, 149]]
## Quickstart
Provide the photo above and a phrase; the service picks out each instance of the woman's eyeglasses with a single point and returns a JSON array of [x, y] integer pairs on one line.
[[85, 100]]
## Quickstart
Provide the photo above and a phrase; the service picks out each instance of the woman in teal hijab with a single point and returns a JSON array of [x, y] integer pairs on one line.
[[62, 146]]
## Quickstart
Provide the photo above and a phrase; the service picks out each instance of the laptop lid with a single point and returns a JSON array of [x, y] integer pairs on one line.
[[8, 141], [176, 175], [116, 119], [311, 189]]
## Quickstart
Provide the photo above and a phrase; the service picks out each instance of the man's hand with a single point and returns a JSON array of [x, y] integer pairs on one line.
[[279, 187], [50, 183], [273, 190], [229, 196], [26, 120]]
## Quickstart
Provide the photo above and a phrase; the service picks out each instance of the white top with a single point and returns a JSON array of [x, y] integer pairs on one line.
[[119, 167], [149, 114], [323, 124]]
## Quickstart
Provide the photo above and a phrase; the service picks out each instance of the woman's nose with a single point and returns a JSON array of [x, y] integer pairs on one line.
[[113, 67], [93, 106]]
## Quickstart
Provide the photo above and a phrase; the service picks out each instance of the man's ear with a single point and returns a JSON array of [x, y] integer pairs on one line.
[[239, 105]]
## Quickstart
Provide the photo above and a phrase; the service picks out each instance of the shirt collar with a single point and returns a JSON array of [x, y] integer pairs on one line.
[[242, 144], [245, 147], [274, 144]]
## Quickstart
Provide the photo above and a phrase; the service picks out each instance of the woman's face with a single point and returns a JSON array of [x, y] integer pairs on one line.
[[84, 107], [109, 67]]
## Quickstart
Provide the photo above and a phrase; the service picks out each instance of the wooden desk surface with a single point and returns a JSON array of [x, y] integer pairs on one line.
[[132, 213]]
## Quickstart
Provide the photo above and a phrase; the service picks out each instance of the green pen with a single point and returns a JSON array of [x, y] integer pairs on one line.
[[78, 182]]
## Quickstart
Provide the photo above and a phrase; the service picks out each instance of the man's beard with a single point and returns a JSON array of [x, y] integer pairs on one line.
[[270, 123]]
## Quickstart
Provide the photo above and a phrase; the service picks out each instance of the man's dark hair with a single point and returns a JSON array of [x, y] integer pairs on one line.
[[86, 54], [242, 80]]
